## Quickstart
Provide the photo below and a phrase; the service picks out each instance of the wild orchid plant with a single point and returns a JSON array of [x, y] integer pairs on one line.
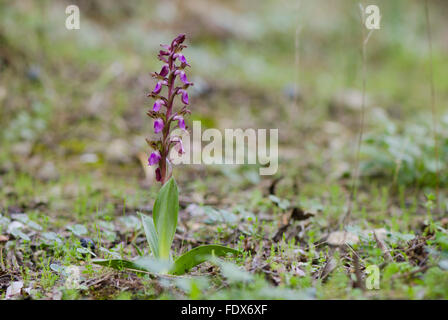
[[162, 111], [161, 228]]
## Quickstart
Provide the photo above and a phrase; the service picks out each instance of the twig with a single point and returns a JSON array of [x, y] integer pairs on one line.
[[383, 248], [411, 273], [358, 273]]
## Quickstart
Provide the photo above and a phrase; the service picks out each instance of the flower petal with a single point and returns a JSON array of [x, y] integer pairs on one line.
[[157, 88], [157, 105], [180, 122], [164, 70], [154, 158], [182, 59], [179, 39], [183, 77], [158, 125], [184, 97]]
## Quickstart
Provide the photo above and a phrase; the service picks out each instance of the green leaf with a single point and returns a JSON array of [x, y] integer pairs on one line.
[[147, 264], [119, 264], [78, 229], [166, 208], [151, 234], [198, 255], [17, 233], [154, 265]]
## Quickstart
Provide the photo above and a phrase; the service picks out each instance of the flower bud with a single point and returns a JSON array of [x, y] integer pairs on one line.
[[158, 174], [157, 105], [154, 158], [164, 70], [179, 39], [157, 88], [184, 96]]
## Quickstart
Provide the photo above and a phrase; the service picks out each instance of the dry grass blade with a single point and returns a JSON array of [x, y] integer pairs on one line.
[[329, 267], [433, 101], [355, 178], [383, 247]]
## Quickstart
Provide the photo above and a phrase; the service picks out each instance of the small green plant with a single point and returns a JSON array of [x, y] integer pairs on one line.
[[161, 228], [159, 233]]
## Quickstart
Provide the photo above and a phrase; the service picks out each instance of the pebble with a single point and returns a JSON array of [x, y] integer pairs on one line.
[[87, 243]]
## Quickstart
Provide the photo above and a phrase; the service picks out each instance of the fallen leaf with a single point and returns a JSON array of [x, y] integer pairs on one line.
[[339, 238], [14, 289], [15, 225], [328, 268]]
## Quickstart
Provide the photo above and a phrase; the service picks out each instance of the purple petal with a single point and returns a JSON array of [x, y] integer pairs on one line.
[[179, 39], [180, 121], [157, 88], [183, 77], [184, 97], [157, 105], [154, 158], [182, 59], [158, 125], [164, 70]]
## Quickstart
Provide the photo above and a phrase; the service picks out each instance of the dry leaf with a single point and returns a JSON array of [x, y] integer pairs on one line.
[[339, 238], [14, 289]]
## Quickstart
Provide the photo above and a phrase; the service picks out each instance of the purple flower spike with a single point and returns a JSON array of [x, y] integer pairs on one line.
[[154, 158], [164, 70], [184, 96], [174, 63], [157, 88], [157, 105], [158, 125], [158, 174], [180, 122]]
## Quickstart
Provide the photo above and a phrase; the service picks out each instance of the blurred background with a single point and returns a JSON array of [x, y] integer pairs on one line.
[[73, 102]]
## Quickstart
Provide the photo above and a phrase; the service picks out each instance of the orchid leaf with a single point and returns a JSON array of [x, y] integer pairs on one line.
[[197, 256], [146, 264], [119, 264], [151, 234], [165, 212]]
